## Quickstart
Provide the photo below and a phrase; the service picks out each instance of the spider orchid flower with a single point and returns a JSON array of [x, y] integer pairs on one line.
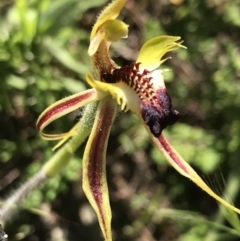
[[139, 88]]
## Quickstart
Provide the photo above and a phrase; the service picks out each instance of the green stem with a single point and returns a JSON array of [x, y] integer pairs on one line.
[[53, 166], [63, 156], [12, 202]]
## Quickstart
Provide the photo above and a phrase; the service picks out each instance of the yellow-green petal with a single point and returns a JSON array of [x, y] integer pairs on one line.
[[153, 50], [94, 165], [114, 30], [110, 12], [125, 96], [111, 31]]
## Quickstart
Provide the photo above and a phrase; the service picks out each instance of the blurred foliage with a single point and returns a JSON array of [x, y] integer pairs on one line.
[[43, 58]]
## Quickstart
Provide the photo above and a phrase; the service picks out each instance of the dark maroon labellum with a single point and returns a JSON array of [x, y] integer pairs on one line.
[[161, 114], [156, 105]]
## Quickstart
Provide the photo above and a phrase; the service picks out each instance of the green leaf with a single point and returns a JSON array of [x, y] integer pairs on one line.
[[66, 12], [65, 58], [16, 82]]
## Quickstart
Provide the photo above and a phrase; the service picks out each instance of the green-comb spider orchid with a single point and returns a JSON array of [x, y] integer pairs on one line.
[[139, 88]]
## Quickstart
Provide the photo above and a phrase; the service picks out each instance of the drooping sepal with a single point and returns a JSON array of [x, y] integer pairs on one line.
[[63, 107], [94, 165], [186, 170]]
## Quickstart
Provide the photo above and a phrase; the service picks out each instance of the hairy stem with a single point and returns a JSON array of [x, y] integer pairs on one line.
[[20, 194], [63, 156], [52, 167]]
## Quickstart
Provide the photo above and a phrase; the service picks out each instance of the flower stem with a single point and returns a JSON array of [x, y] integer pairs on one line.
[[52, 167], [63, 156], [20, 194]]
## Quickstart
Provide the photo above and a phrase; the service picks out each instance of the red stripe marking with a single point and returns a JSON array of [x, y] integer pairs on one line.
[[96, 157], [62, 106], [171, 153]]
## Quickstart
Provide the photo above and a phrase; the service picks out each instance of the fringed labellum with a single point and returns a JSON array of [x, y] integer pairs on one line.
[[154, 101]]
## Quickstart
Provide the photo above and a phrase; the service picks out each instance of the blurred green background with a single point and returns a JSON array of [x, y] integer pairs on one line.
[[43, 58]]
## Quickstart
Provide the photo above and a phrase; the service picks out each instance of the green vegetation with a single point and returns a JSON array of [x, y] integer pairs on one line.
[[43, 58]]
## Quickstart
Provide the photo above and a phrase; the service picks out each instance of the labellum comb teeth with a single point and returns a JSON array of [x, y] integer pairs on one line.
[[155, 103]]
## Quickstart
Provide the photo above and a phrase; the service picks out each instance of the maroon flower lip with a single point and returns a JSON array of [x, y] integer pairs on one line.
[[159, 115], [156, 105]]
